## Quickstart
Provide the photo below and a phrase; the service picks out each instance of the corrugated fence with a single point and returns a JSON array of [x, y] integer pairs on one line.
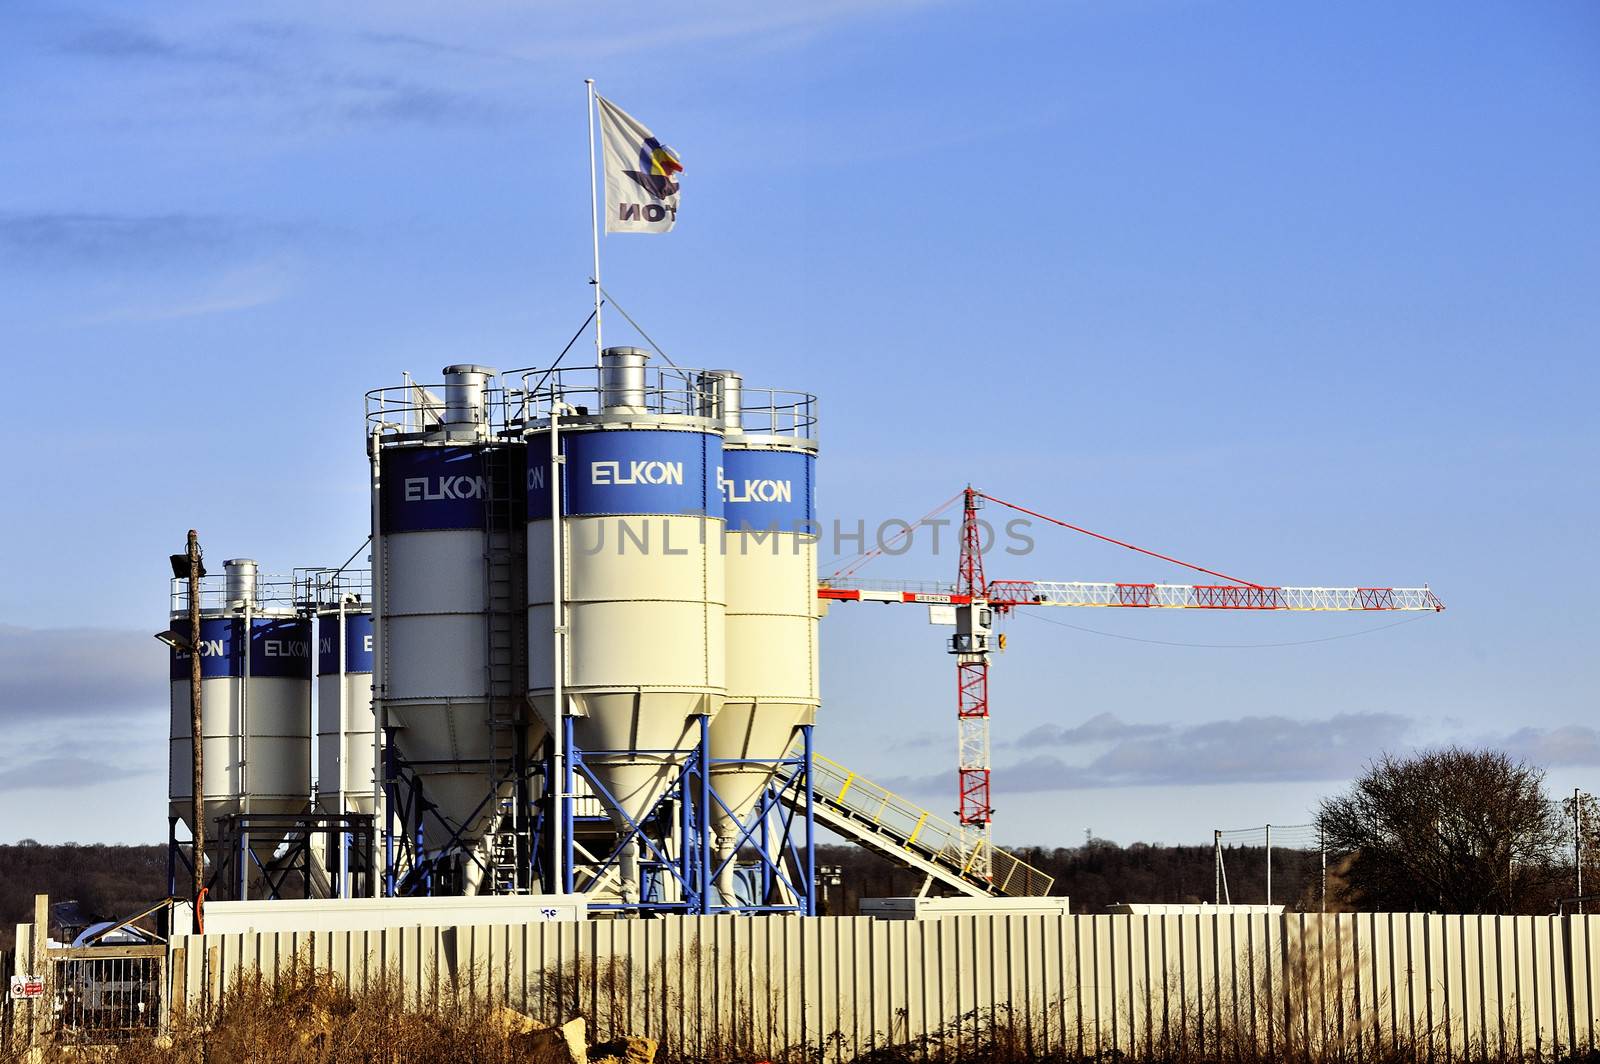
[[1291, 985]]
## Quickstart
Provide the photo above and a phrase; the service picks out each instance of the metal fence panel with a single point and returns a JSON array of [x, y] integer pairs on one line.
[[1336, 986]]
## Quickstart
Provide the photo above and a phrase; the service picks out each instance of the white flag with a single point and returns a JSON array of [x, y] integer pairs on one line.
[[641, 175]]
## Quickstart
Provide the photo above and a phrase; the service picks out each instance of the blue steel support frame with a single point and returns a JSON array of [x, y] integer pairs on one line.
[[690, 789], [811, 830], [694, 868], [789, 775], [406, 807]]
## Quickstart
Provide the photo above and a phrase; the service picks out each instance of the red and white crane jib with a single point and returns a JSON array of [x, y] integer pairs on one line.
[[1005, 594]]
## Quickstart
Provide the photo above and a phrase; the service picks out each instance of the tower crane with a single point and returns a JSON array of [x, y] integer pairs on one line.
[[977, 602]]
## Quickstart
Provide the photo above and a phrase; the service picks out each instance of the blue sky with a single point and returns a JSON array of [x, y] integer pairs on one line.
[[1306, 294]]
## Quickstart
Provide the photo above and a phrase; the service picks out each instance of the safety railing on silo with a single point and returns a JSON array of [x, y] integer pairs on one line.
[[918, 830], [664, 391], [405, 411], [778, 412], [318, 588], [271, 592]]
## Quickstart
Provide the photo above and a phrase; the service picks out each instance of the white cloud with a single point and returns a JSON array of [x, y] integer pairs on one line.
[[1572, 744], [243, 287], [51, 673], [1240, 750]]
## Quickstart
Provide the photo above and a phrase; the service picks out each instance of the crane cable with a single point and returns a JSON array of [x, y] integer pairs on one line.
[[1117, 542], [856, 561]]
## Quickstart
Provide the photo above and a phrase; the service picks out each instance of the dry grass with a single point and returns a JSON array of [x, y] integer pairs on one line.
[[312, 1018]]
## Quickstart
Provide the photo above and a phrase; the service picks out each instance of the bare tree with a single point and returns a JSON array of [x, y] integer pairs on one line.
[[1453, 830]]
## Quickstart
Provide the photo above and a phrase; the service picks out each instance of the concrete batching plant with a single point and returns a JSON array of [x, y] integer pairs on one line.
[[596, 500], [584, 660]]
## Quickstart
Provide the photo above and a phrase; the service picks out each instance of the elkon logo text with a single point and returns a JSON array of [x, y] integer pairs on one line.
[[636, 471], [755, 489], [433, 489]]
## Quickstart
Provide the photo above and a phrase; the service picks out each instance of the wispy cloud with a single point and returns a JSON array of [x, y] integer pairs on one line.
[[61, 773], [1254, 749], [80, 706], [126, 42], [1101, 728], [89, 237], [314, 72], [413, 43], [167, 266], [47, 674], [398, 64], [1573, 744], [243, 287], [1265, 749], [396, 100], [1241, 750]]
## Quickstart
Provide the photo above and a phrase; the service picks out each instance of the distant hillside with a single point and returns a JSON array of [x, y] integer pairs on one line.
[[110, 880]]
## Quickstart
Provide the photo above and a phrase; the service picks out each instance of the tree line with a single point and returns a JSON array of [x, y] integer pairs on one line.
[[1449, 831]]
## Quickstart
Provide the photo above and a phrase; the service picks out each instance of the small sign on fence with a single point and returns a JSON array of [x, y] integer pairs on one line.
[[26, 987]]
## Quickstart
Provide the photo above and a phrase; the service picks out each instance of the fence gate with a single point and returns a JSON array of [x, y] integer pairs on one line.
[[107, 993]]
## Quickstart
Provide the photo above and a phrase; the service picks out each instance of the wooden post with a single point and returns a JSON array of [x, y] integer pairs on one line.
[[198, 809], [177, 994], [39, 968]]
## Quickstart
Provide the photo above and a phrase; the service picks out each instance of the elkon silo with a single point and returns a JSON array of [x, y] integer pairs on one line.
[[643, 596], [450, 684], [770, 561], [255, 691], [345, 754]]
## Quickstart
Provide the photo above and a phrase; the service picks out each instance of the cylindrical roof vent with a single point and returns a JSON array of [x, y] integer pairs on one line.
[[464, 396], [241, 581], [622, 386], [720, 393]]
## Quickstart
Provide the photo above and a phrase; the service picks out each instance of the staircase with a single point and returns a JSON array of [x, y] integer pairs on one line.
[[885, 823]]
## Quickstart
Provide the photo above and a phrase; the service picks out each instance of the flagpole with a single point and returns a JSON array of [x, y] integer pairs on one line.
[[594, 222]]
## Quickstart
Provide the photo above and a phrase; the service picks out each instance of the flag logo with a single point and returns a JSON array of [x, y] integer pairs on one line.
[[657, 164], [642, 184]]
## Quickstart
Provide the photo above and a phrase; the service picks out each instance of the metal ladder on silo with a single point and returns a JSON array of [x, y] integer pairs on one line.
[[506, 654]]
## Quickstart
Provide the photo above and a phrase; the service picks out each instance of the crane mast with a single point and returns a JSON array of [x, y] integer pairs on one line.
[[970, 645]]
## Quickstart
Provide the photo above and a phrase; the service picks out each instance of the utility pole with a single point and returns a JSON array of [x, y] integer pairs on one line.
[[196, 745], [1269, 864], [1577, 842], [1322, 846], [1216, 865]]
